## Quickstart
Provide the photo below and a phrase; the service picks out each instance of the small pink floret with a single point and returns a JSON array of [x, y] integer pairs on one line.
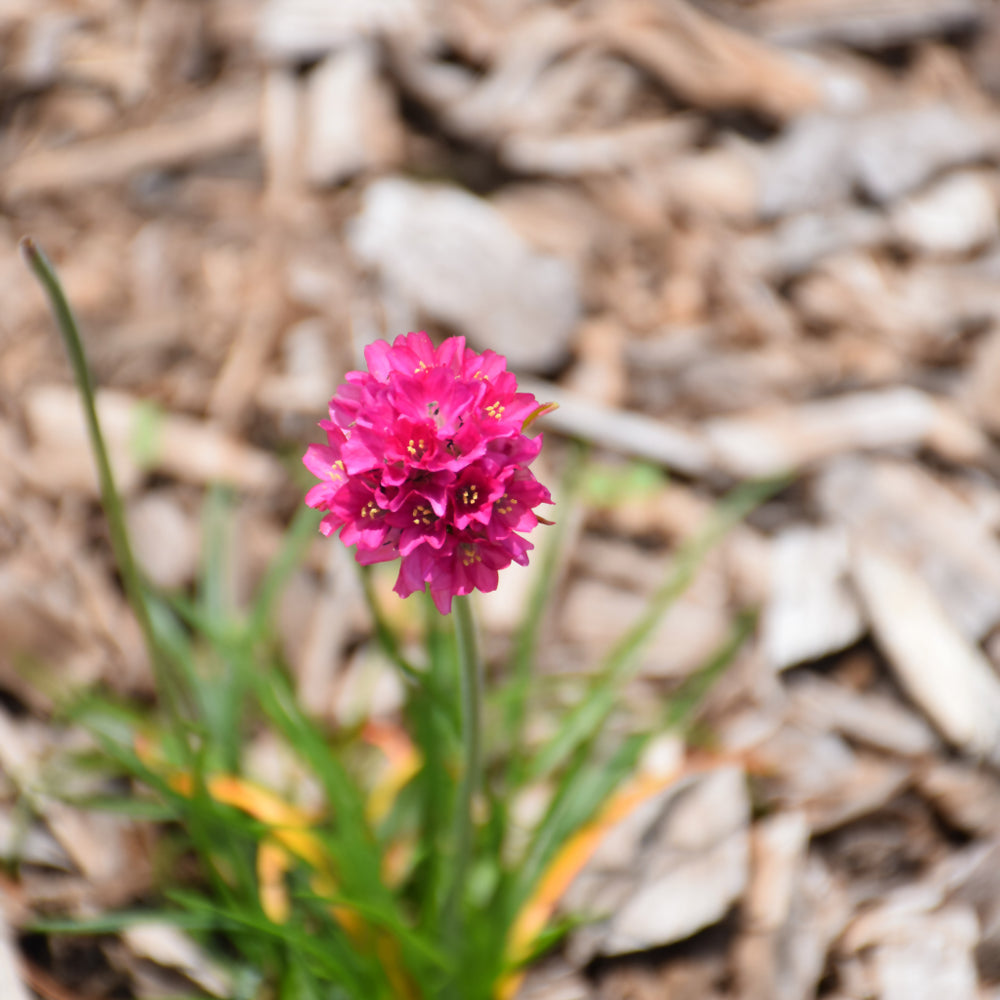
[[426, 460]]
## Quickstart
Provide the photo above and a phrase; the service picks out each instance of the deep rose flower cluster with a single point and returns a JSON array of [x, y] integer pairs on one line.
[[427, 460]]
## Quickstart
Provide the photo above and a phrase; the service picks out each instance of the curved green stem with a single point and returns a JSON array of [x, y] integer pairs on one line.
[[110, 497], [471, 681]]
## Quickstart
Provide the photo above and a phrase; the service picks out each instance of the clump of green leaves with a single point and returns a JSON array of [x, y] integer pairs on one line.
[[378, 895]]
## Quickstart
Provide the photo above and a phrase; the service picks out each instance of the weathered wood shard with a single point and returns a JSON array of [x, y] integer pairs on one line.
[[11, 981], [811, 610], [632, 433], [165, 945], [707, 62], [887, 153], [863, 23], [911, 953], [927, 525], [872, 719], [216, 126], [301, 30], [794, 909], [453, 257], [351, 122], [951, 681], [779, 439], [674, 866], [955, 216], [138, 437]]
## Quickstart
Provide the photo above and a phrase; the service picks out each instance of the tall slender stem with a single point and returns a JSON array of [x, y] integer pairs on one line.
[[110, 497], [471, 681]]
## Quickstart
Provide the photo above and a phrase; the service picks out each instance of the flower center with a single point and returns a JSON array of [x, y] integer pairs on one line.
[[495, 410], [422, 515], [372, 510], [505, 504], [470, 496], [470, 554], [415, 449]]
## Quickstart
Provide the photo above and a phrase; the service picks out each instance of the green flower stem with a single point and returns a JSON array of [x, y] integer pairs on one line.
[[471, 680], [110, 497]]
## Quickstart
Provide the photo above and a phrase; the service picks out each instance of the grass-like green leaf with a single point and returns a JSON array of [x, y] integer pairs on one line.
[[119, 920], [619, 665]]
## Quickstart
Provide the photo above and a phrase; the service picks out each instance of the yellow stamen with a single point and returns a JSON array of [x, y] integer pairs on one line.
[[505, 508]]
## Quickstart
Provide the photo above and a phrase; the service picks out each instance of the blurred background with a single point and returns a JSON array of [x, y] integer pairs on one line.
[[731, 239]]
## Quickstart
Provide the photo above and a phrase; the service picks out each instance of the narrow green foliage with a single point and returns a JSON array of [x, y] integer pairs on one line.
[[688, 698], [606, 486], [145, 439], [414, 901], [386, 637], [301, 534], [111, 498], [583, 788], [622, 661], [435, 727], [470, 685], [515, 696], [111, 923]]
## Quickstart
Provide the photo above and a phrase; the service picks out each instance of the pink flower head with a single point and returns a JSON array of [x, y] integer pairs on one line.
[[427, 461]]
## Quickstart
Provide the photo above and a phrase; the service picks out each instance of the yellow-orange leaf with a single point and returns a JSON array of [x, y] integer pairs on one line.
[[273, 862]]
